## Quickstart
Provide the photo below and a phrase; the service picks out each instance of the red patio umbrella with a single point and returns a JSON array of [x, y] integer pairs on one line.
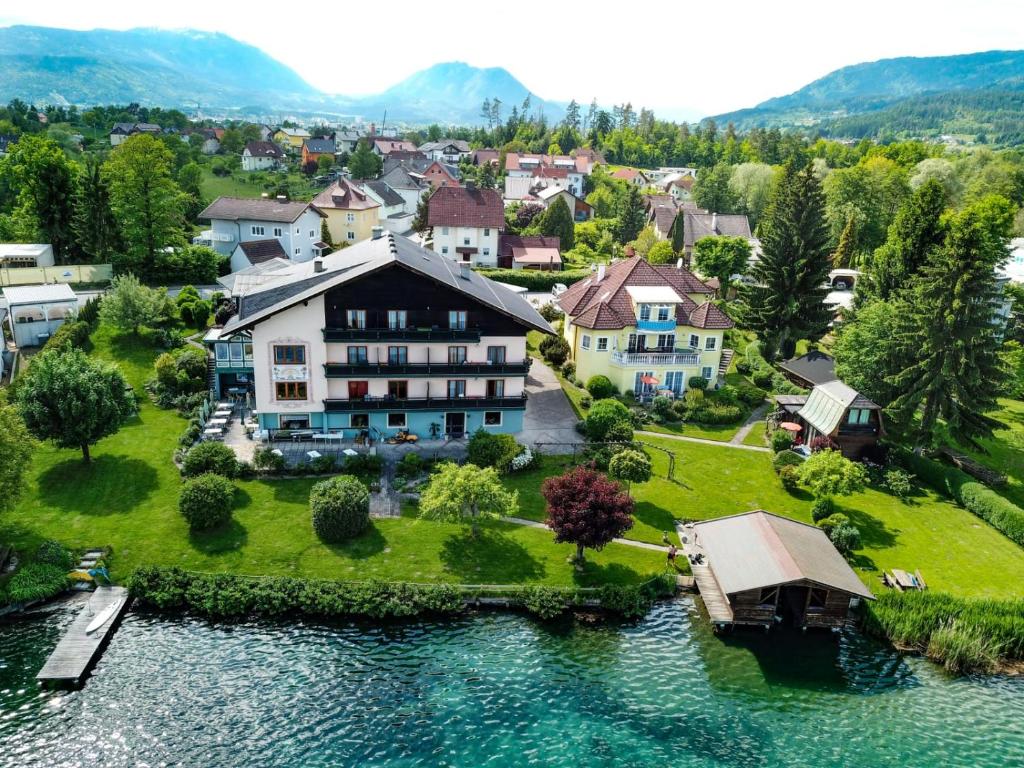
[[790, 426]]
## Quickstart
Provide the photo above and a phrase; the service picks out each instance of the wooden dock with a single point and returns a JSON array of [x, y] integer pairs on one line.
[[711, 594], [77, 651]]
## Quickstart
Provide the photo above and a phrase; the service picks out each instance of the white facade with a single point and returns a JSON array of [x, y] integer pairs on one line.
[[298, 238], [251, 163], [36, 311], [518, 182], [447, 241], [15, 255]]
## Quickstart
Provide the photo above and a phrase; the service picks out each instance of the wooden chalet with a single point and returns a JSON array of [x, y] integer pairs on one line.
[[837, 411], [759, 569]]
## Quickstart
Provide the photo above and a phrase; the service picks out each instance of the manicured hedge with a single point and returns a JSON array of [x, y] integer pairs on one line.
[[340, 507], [1000, 513], [228, 596], [205, 501], [535, 279], [210, 457]]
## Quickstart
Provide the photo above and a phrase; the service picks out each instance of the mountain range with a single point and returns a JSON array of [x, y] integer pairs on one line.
[[966, 94], [186, 68]]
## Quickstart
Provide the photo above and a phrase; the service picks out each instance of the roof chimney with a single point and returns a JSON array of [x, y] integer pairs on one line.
[[318, 265], [465, 269], [378, 232], [600, 272], [714, 223]]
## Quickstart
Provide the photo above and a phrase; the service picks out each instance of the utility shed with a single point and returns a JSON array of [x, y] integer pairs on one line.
[[36, 311], [769, 569]]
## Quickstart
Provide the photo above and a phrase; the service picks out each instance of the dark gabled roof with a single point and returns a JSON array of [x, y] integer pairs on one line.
[[462, 207], [606, 305], [663, 216], [258, 251], [698, 225], [450, 170], [255, 209], [416, 162], [318, 146], [263, 149], [384, 192], [815, 367], [459, 144], [398, 177], [508, 242], [302, 282], [345, 195]]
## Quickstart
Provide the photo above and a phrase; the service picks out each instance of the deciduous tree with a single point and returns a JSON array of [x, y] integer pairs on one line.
[[129, 305], [16, 447], [72, 400], [630, 466], [458, 494], [828, 473], [722, 257], [587, 509], [364, 164]]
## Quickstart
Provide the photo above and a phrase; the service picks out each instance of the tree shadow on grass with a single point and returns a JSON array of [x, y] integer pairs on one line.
[[873, 532], [657, 517], [242, 499], [367, 544], [229, 537], [598, 574], [107, 485], [490, 557]]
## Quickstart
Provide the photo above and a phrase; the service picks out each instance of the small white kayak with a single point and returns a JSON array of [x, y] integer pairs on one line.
[[104, 616]]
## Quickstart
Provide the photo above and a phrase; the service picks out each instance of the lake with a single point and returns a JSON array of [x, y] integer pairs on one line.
[[495, 689]]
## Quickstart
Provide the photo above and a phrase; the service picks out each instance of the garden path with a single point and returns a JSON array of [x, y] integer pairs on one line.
[[752, 421], [627, 542]]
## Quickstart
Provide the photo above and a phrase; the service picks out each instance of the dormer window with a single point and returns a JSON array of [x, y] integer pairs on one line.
[[645, 311], [663, 313]]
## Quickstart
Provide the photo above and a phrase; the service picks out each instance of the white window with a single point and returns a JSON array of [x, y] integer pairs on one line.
[[350, 235], [586, 342], [312, 235], [662, 313], [444, 230], [705, 372], [694, 341], [298, 230], [710, 342], [602, 343], [350, 217], [487, 251], [487, 231], [444, 249], [645, 311], [278, 232], [396, 420], [257, 230], [298, 251]]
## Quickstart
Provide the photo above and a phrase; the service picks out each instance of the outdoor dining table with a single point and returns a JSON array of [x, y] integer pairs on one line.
[[217, 422], [213, 431], [222, 414], [328, 436]]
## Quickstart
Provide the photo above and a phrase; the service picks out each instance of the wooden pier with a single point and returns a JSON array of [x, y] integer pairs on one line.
[[77, 651], [715, 601]]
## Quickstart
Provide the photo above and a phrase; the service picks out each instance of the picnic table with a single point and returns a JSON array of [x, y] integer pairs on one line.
[[900, 580], [328, 436], [218, 422], [213, 432]]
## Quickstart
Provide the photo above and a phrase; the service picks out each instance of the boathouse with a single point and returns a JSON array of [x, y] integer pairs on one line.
[[759, 569]]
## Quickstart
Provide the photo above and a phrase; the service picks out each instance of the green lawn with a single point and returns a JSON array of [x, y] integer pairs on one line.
[[1005, 449], [242, 184], [721, 432], [127, 499], [756, 436]]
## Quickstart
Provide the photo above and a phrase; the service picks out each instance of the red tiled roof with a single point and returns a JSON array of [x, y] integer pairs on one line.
[[462, 207], [386, 146], [607, 304], [346, 196], [627, 173], [508, 242]]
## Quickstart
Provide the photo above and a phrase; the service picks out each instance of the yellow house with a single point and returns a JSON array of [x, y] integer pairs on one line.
[[645, 327], [291, 138], [351, 213]]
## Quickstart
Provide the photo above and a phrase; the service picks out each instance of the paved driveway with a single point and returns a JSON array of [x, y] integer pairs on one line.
[[549, 417]]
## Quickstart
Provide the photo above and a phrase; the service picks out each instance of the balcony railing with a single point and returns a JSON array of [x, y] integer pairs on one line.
[[401, 334], [423, 403], [348, 370], [655, 358], [663, 326]]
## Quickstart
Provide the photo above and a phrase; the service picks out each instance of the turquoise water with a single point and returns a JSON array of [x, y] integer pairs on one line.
[[496, 690]]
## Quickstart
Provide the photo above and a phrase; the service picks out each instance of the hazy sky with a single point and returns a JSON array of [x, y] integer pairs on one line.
[[685, 57]]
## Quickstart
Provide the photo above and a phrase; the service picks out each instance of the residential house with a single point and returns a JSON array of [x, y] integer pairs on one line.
[[6, 140], [662, 212], [411, 186], [591, 158], [760, 569], [381, 338], [291, 138], [810, 369], [661, 175], [233, 220], [261, 156], [448, 151], [631, 175], [35, 312], [253, 252], [647, 328], [314, 149], [700, 224], [439, 174], [414, 162], [391, 213], [266, 132], [466, 223], [346, 141], [580, 209], [15, 255], [122, 131], [679, 187], [385, 146], [210, 141], [838, 412], [351, 213], [529, 252], [484, 156], [261, 271], [524, 173]]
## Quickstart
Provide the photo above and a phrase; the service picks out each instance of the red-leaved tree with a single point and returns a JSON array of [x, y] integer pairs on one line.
[[587, 509]]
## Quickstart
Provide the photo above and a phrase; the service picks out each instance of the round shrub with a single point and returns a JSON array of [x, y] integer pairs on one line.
[[822, 508], [210, 457], [781, 440], [555, 349], [600, 387], [823, 443], [833, 521], [54, 553], [790, 478], [697, 382], [845, 538], [786, 459], [340, 507], [586, 401], [715, 413], [550, 312], [569, 370], [899, 482], [743, 367], [662, 406], [750, 395], [486, 449], [603, 417], [762, 377], [265, 460], [205, 501]]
